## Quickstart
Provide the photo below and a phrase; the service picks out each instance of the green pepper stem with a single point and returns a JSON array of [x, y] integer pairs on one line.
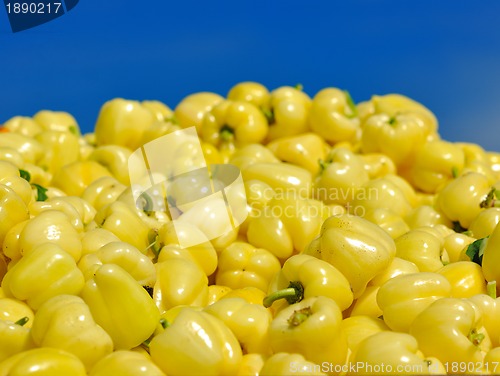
[[491, 288], [226, 133], [299, 316], [475, 337], [293, 293], [22, 321]]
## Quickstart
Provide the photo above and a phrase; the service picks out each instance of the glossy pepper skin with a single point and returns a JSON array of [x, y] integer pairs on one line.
[[122, 122], [460, 200], [404, 297], [249, 323], [238, 122], [333, 115], [65, 322], [304, 150], [312, 328], [13, 210], [389, 352], [43, 361], [399, 136], [340, 178], [126, 363], [16, 338], [283, 363], [61, 276], [451, 330], [466, 279], [308, 277], [490, 308], [191, 109], [121, 306], [241, 264], [180, 282], [213, 349], [491, 257], [358, 248]]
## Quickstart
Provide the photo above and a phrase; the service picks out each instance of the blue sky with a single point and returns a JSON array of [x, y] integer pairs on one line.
[[446, 54]]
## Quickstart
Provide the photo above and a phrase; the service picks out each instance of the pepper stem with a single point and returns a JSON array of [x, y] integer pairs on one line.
[[475, 337], [492, 199], [292, 294], [22, 321], [226, 133], [491, 288], [299, 316]]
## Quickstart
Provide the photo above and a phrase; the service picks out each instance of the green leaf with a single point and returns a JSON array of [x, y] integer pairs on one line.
[[25, 175], [41, 192], [475, 250]]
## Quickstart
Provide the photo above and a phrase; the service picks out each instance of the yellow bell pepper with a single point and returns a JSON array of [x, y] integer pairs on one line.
[[16, 337], [10, 246], [191, 109], [115, 159], [252, 92], [122, 254], [404, 297], [126, 363], [460, 200], [73, 178], [380, 193], [160, 111], [121, 306], [43, 361], [492, 361], [455, 245], [490, 308], [312, 328], [252, 295], [216, 292], [234, 121], [30, 149], [451, 330], [358, 248], [250, 154], [251, 364], [213, 349], [249, 323], [287, 224], [103, 191], [51, 226], [123, 221], [14, 310], [283, 363], [397, 136], [378, 165], [304, 276], [359, 327], [491, 256], [436, 163], [58, 121], [14, 211], [304, 150], [287, 114], [341, 176], [94, 239], [393, 224], [466, 279], [389, 352], [426, 215], [180, 281], [242, 264], [122, 122], [484, 223], [60, 149], [167, 242], [333, 115], [23, 125], [424, 249], [65, 322], [61, 275]]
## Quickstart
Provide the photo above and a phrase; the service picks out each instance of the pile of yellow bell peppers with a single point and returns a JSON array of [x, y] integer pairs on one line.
[[371, 245]]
